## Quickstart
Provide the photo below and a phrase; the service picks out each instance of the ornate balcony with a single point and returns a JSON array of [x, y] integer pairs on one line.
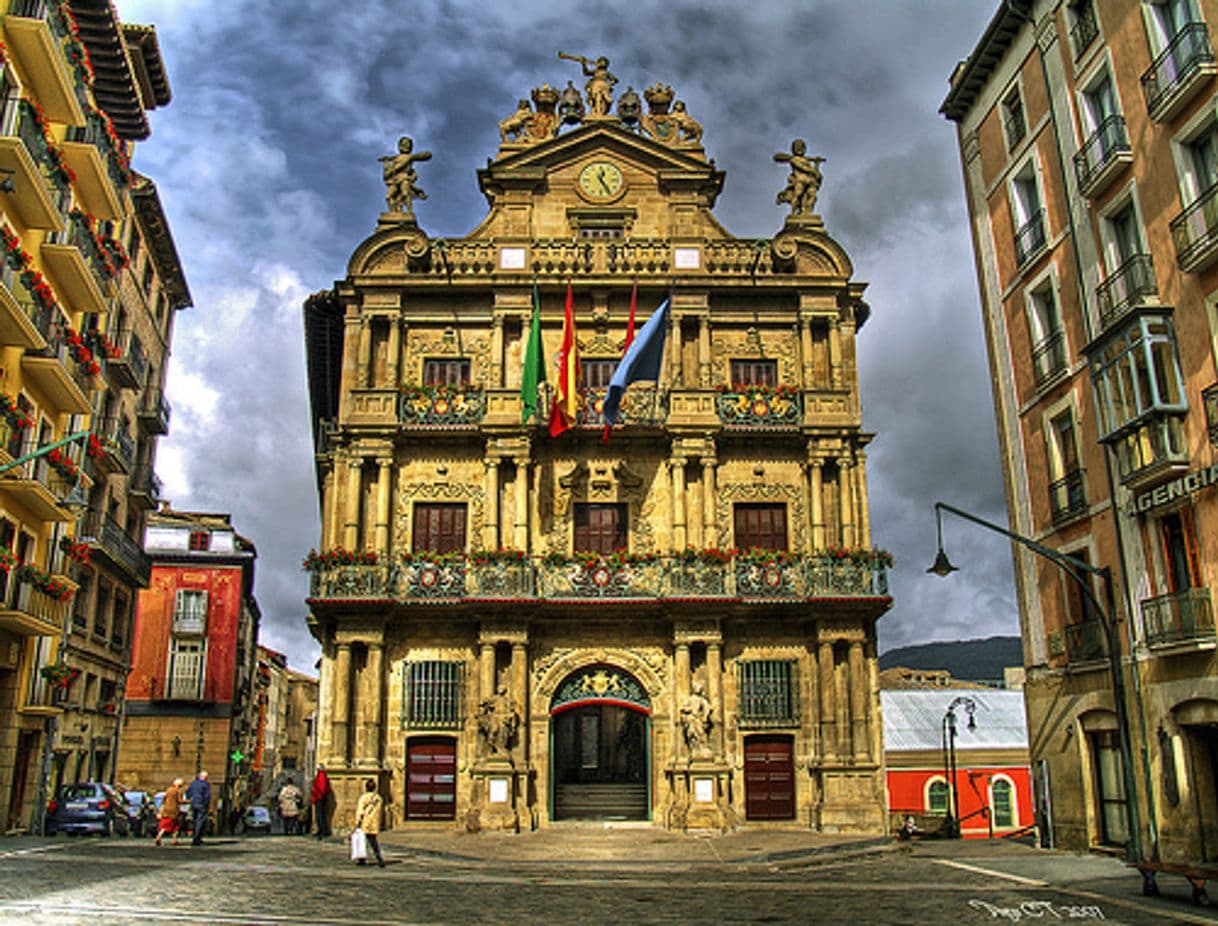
[[1131, 285], [1104, 155], [1049, 360], [22, 150], [101, 172], [111, 544], [36, 31], [641, 407], [1030, 239], [153, 413], [43, 484], [376, 582], [1180, 618], [441, 407], [598, 577], [1067, 498], [1178, 74], [28, 611], [760, 407], [1195, 232]]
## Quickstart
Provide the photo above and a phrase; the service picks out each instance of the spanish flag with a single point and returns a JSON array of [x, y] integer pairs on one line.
[[568, 399]]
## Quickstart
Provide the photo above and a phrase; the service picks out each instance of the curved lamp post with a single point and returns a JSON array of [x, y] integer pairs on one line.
[[949, 752], [1076, 569]]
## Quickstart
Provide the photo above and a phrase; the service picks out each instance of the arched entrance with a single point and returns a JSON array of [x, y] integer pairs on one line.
[[600, 747]]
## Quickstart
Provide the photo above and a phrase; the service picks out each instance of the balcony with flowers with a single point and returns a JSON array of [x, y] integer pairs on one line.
[[640, 407], [82, 269], [349, 575], [760, 407], [110, 447], [15, 422], [44, 483], [65, 370], [54, 171], [102, 166], [33, 602], [22, 147], [24, 319], [45, 41], [109, 542], [444, 407], [598, 575]]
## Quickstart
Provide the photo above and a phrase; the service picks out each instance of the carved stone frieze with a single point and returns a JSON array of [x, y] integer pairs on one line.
[[549, 671], [776, 345], [448, 343]]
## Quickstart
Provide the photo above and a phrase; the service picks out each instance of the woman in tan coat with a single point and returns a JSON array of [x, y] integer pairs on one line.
[[167, 819], [368, 819]]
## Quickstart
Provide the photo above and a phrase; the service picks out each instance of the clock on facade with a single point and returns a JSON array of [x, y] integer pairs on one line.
[[601, 180]]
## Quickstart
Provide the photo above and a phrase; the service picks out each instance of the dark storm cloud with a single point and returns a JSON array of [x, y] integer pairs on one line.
[[266, 161]]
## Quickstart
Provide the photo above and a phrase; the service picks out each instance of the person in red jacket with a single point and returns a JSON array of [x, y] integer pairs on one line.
[[322, 798]]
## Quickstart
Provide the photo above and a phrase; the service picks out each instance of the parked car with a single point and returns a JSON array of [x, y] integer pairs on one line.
[[141, 813], [257, 820], [87, 807]]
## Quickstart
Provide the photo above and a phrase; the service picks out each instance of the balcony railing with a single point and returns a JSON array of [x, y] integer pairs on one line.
[[644, 407], [1209, 399], [1186, 59], [154, 412], [1096, 161], [760, 407], [1049, 358], [1195, 231], [145, 486], [1085, 28], [109, 539], [117, 443], [1086, 641], [126, 364], [1067, 498], [1126, 287], [94, 133], [746, 578], [1030, 240], [1182, 617], [441, 407]]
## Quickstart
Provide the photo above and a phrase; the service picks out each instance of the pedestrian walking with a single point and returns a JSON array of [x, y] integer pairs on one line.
[[290, 800], [199, 795], [368, 819], [322, 796], [167, 819]]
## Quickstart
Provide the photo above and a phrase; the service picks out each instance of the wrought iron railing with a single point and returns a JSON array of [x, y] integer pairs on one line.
[[1049, 358], [647, 407], [1085, 28], [105, 533], [117, 441], [1030, 239], [1195, 230], [144, 481], [1185, 53], [1125, 286], [93, 132], [1102, 147], [760, 407], [155, 410], [1086, 641], [592, 577], [1067, 498], [1181, 617], [427, 406]]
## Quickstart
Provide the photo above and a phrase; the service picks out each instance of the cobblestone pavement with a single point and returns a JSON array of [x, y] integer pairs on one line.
[[576, 876]]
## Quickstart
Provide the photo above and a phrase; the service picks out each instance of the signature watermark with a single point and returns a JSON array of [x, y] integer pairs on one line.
[[1038, 910]]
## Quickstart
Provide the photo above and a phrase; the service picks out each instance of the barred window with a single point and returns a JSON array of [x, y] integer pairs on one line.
[[432, 695], [769, 695]]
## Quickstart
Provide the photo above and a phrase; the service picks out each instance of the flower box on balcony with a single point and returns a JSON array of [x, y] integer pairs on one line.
[[433, 575], [441, 406], [500, 574], [760, 406], [699, 573]]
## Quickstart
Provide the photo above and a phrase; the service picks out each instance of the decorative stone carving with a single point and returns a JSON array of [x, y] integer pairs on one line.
[[599, 89], [803, 183], [759, 492], [696, 721], [401, 188], [473, 495], [551, 669], [498, 721]]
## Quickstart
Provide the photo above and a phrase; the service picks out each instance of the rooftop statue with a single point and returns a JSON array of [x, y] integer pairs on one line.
[[527, 126], [401, 188], [803, 183], [599, 88]]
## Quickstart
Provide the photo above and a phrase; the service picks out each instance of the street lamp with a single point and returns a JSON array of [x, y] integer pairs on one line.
[[1075, 568], [949, 755]]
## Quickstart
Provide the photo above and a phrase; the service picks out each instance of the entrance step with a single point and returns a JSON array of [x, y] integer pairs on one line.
[[600, 802]]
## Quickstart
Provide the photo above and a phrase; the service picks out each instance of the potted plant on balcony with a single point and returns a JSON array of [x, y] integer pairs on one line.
[[8, 559], [701, 572], [45, 583], [433, 575], [337, 556], [764, 572], [499, 572], [17, 419], [78, 552]]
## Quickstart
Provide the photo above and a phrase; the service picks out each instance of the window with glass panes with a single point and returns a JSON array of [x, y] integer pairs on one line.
[[439, 527], [445, 372], [1003, 803], [597, 373], [754, 372], [1136, 373], [1109, 788], [936, 797], [600, 528], [190, 611]]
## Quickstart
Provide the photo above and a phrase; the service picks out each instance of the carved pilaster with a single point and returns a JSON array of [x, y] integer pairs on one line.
[[342, 705], [384, 490]]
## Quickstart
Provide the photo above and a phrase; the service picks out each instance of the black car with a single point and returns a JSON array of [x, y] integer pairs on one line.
[[87, 807], [141, 813]]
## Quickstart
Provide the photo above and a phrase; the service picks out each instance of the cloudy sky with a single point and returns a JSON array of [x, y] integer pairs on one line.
[[266, 164]]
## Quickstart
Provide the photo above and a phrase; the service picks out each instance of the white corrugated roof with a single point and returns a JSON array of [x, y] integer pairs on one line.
[[913, 720]]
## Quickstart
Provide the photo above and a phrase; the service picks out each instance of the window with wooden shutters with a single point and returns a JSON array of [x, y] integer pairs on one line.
[[768, 693], [597, 373], [438, 372], [600, 528], [1180, 550], [439, 527], [187, 659], [761, 525], [754, 372], [190, 611], [433, 695]]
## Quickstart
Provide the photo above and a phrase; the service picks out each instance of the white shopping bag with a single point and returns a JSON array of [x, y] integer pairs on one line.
[[359, 845]]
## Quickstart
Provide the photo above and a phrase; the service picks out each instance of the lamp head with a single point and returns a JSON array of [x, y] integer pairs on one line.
[[942, 566]]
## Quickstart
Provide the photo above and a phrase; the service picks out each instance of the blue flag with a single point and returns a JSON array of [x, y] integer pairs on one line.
[[641, 362]]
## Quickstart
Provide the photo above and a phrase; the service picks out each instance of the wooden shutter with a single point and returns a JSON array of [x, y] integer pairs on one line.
[[761, 525], [600, 528], [439, 528]]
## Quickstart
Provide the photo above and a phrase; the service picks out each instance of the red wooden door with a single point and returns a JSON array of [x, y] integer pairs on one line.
[[431, 779], [769, 778]]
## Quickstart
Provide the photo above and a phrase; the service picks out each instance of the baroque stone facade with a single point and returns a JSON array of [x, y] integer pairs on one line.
[[676, 624]]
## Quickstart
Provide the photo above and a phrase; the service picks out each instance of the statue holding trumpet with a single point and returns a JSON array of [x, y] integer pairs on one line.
[[599, 89]]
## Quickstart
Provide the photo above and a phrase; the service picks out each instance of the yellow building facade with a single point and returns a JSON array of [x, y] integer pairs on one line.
[[676, 624]]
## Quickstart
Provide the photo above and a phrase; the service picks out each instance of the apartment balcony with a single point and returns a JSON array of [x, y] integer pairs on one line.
[[441, 407], [34, 31], [153, 413], [762, 408], [22, 318], [1195, 232], [55, 371], [101, 176], [111, 544], [144, 488], [1103, 157], [1049, 360], [1130, 286], [1067, 498], [22, 149], [1180, 72], [126, 364], [1086, 641], [117, 446], [1179, 619], [745, 578], [28, 611], [74, 261], [1209, 400], [187, 687], [43, 484], [1030, 240]]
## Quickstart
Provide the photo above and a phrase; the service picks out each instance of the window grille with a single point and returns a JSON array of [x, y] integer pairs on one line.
[[432, 695], [769, 695]]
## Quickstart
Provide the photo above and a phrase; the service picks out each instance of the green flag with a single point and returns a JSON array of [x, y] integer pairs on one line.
[[534, 364]]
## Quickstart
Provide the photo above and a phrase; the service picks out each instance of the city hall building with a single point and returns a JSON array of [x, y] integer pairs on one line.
[[676, 624]]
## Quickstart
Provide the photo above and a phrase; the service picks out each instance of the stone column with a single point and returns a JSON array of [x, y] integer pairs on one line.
[[863, 519], [384, 484], [521, 539], [363, 370], [392, 371], [330, 521], [674, 351], [325, 704], [828, 705], [708, 503], [490, 529], [835, 354], [858, 701], [704, 351], [805, 344], [679, 538], [520, 692], [352, 504], [714, 675], [486, 670], [845, 501], [342, 704], [496, 350], [371, 688], [816, 503], [680, 693]]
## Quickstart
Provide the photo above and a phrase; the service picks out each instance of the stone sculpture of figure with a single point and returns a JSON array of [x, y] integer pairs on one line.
[[803, 184], [695, 717], [516, 124], [498, 720], [401, 189], [689, 127], [599, 89]]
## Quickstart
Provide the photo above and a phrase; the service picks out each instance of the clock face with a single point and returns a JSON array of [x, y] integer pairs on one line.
[[600, 180]]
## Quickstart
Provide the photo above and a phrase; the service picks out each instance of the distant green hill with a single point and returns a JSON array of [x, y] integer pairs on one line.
[[966, 660]]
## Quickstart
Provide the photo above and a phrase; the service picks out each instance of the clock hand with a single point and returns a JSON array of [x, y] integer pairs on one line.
[[600, 175]]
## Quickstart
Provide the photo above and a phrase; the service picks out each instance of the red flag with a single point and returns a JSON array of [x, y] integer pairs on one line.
[[568, 400]]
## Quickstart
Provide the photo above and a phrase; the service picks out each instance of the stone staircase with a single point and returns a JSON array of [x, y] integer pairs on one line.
[[600, 802]]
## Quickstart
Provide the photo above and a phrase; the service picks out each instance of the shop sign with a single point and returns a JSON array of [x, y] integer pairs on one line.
[[1182, 487]]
